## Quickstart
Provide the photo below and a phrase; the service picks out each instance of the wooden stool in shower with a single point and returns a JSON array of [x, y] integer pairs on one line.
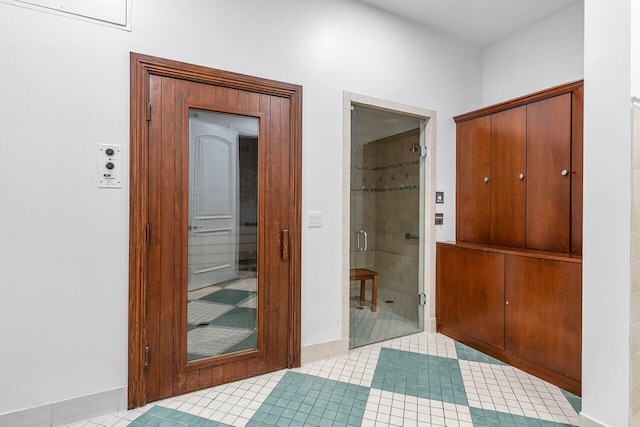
[[362, 274]]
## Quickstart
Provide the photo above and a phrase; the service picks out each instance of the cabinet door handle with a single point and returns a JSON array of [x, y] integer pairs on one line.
[[485, 179], [521, 177], [564, 172]]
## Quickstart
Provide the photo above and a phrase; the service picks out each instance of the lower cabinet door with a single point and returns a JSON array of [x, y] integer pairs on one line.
[[470, 293], [543, 313]]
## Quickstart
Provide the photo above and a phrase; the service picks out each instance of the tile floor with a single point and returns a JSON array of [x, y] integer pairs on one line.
[[390, 320], [418, 380]]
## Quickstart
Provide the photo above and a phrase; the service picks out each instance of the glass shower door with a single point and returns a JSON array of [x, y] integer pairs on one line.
[[385, 225]]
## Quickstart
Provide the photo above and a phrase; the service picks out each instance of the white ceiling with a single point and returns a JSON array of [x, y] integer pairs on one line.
[[481, 22]]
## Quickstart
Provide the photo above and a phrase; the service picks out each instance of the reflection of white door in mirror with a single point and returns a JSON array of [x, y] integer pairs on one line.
[[213, 203]]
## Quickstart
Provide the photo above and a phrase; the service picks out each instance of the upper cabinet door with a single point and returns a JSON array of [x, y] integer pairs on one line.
[[548, 218], [474, 180], [519, 172], [509, 175]]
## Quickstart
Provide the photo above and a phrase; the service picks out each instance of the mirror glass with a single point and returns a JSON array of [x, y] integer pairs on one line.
[[222, 234]]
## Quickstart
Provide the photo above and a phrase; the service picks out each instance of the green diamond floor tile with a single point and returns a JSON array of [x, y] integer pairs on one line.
[[239, 317], [467, 353], [300, 399], [249, 342], [420, 375], [574, 400], [228, 296], [157, 416]]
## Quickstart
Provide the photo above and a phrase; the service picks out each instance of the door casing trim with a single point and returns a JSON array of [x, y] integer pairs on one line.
[[142, 66]]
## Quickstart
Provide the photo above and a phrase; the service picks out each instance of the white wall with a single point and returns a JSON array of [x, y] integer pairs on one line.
[[63, 250], [543, 55], [64, 86], [607, 212]]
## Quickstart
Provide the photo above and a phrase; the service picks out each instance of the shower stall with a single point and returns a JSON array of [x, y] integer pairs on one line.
[[385, 224]]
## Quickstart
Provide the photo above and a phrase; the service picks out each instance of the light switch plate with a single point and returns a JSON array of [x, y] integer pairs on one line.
[[439, 196], [109, 166], [314, 219], [439, 219]]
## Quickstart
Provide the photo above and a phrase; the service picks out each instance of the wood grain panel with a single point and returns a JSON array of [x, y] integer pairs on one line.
[[204, 377], [165, 227], [265, 228], [544, 313], [153, 286], [163, 192], [508, 161], [548, 202], [284, 171], [473, 193], [577, 130], [470, 293], [140, 86], [180, 224]]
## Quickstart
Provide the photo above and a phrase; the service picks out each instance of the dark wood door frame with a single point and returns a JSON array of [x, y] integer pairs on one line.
[[142, 66]]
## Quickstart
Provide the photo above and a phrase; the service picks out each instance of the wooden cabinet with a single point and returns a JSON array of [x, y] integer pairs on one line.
[[520, 306], [543, 313], [511, 286], [472, 301], [519, 174]]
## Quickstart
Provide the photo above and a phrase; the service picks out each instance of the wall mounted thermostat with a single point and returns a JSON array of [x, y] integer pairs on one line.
[[109, 166]]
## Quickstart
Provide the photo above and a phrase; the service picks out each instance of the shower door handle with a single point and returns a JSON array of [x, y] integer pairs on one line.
[[366, 240]]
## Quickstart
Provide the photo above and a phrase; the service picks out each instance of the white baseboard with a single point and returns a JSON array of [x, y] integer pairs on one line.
[[585, 421], [430, 325], [325, 350], [68, 411]]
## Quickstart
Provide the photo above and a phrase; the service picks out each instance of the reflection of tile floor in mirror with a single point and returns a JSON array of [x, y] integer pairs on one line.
[[222, 318], [390, 320], [418, 380]]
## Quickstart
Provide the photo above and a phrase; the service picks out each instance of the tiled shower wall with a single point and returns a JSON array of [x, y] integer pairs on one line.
[[386, 196], [635, 272]]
